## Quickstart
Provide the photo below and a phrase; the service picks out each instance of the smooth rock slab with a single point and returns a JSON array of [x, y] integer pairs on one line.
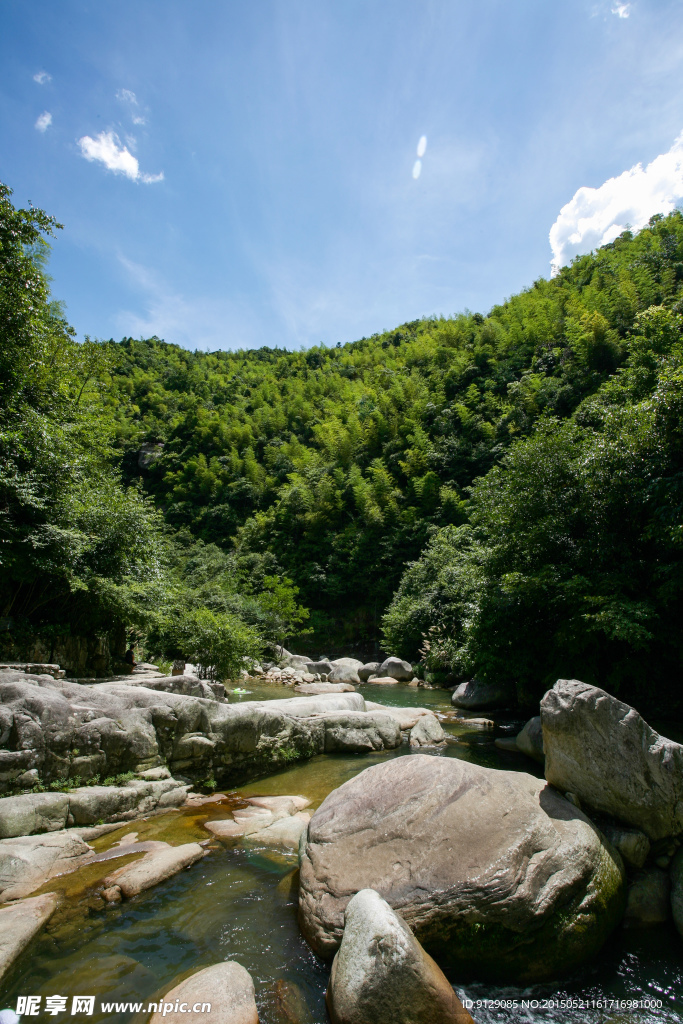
[[359, 732], [603, 751], [154, 867], [406, 717], [496, 873], [227, 987], [19, 922], [284, 833], [26, 862], [315, 689], [382, 975]]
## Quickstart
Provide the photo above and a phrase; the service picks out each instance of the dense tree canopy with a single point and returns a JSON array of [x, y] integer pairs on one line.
[[498, 494]]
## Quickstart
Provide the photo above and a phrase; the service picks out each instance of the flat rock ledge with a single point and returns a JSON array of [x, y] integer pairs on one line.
[[498, 876], [19, 923]]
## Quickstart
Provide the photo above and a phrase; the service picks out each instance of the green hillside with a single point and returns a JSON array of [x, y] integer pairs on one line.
[[500, 492]]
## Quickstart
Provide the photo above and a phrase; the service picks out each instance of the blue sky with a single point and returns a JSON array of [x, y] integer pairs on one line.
[[243, 174]]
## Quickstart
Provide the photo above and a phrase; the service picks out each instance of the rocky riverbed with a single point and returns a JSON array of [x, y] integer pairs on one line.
[[164, 891]]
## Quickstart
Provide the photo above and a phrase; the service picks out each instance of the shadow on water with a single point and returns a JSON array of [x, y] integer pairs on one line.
[[240, 904]]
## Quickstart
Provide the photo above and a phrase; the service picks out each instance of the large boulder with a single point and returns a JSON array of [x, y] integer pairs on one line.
[[401, 671], [359, 732], [406, 717], [530, 739], [345, 670], [477, 696], [226, 988], [382, 975], [369, 669], [495, 872], [27, 862], [320, 667], [603, 751]]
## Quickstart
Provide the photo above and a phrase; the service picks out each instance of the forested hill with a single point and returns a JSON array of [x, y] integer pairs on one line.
[[335, 465], [498, 495]]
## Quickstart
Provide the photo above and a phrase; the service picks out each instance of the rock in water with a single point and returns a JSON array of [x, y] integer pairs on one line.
[[381, 974], [427, 732], [369, 669], [530, 739], [497, 874], [155, 867], [648, 899], [401, 671], [606, 753], [226, 987], [477, 696], [19, 922], [677, 890]]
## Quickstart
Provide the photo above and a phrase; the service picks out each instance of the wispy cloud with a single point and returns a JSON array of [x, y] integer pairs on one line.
[[596, 216], [44, 121], [621, 10], [42, 77], [192, 321], [107, 149], [129, 97]]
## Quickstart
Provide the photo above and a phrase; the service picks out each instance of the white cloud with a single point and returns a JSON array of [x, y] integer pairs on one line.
[[127, 96], [596, 216], [422, 146], [417, 169], [621, 10], [42, 77], [108, 150], [44, 121]]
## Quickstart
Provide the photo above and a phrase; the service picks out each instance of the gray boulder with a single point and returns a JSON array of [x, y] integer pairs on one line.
[[496, 873], [530, 739], [477, 696], [228, 989], [320, 667], [401, 671], [427, 732], [315, 689], [649, 899], [382, 975], [369, 669], [406, 717], [359, 732], [345, 670], [603, 751], [676, 874], [632, 844]]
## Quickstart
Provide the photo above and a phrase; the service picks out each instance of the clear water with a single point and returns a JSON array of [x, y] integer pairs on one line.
[[240, 904]]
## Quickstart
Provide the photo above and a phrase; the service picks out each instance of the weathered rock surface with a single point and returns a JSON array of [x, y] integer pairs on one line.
[[268, 820], [605, 752], [345, 670], [315, 689], [19, 922], [284, 833], [401, 671], [383, 681], [369, 669], [359, 732], [189, 686], [153, 868], [632, 844], [427, 732], [478, 696], [382, 975], [320, 667], [27, 862], [50, 812], [649, 899], [676, 875], [406, 717], [68, 730], [496, 873], [227, 987], [530, 739]]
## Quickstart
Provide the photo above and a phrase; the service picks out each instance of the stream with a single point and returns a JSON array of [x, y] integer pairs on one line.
[[240, 904]]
